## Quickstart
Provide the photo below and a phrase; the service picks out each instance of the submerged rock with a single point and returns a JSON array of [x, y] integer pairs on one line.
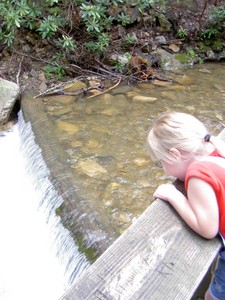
[[148, 86], [111, 111], [58, 111], [141, 161], [140, 98], [220, 88], [91, 168], [177, 87], [66, 126], [91, 143], [204, 70], [75, 86], [184, 80], [170, 95]]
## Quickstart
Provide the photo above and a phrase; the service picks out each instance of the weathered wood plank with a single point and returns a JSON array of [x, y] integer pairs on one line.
[[158, 257], [221, 135]]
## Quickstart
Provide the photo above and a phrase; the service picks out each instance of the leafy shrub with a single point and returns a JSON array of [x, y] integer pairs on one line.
[[216, 24], [14, 15], [182, 32], [49, 27], [51, 18], [56, 71], [99, 46]]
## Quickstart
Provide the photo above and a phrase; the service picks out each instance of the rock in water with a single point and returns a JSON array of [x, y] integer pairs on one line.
[[9, 92]]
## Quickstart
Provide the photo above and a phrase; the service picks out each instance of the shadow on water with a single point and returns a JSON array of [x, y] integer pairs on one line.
[[95, 148]]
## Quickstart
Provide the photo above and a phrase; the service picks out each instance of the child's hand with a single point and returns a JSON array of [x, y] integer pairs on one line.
[[166, 192]]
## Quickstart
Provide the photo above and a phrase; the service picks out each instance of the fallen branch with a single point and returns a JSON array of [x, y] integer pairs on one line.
[[112, 87], [18, 73], [64, 93]]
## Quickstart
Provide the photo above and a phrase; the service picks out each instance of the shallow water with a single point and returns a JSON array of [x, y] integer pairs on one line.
[[104, 137]]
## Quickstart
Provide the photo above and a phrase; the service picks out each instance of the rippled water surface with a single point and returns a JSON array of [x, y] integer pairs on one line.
[[104, 137]]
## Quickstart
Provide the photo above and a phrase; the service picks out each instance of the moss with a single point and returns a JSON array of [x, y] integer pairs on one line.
[[59, 210], [184, 58], [91, 253], [203, 48], [217, 45]]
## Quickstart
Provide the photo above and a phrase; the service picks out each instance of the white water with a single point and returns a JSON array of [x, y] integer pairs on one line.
[[29, 268]]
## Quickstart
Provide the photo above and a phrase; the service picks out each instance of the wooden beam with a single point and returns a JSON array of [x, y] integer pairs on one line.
[[158, 257]]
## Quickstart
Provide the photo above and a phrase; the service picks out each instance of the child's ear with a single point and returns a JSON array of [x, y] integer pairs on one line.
[[175, 153]]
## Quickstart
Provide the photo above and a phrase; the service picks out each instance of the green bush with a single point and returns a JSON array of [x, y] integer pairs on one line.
[[55, 18], [216, 24], [14, 15]]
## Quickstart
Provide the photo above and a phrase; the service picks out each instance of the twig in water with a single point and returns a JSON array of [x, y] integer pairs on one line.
[[112, 87]]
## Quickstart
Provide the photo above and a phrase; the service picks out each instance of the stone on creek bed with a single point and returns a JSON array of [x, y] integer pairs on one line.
[[9, 92], [67, 126], [91, 168], [144, 99]]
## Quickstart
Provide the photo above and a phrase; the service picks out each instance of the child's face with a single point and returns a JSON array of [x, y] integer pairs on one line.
[[177, 169]]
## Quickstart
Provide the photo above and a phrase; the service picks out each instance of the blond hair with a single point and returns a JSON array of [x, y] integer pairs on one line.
[[176, 130]]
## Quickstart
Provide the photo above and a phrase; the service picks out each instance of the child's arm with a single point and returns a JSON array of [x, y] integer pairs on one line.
[[199, 210]]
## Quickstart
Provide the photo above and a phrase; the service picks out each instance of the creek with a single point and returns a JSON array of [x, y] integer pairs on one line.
[[102, 139], [100, 180]]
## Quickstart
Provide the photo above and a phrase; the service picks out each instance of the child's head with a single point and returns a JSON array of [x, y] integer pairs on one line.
[[175, 130]]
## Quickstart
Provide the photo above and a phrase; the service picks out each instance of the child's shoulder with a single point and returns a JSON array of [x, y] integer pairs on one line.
[[218, 160]]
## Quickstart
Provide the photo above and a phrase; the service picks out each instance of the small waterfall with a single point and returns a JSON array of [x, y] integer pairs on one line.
[[39, 259]]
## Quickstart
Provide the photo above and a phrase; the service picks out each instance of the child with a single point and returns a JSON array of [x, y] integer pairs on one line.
[[182, 144]]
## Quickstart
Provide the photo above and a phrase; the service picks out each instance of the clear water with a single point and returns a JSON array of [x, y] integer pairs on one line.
[[102, 139]]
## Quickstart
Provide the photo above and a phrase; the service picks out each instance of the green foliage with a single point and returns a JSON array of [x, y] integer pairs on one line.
[[66, 21], [200, 60], [121, 66], [216, 24], [109, 2], [14, 15], [95, 18], [50, 18], [144, 4], [218, 16], [67, 43], [182, 32], [191, 53], [129, 39], [98, 47], [49, 27], [54, 71], [124, 19], [210, 33]]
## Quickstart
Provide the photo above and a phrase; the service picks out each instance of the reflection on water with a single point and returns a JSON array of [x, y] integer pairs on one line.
[[104, 137]]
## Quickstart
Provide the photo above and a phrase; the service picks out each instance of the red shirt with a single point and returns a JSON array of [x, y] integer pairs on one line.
[[214, 175]]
